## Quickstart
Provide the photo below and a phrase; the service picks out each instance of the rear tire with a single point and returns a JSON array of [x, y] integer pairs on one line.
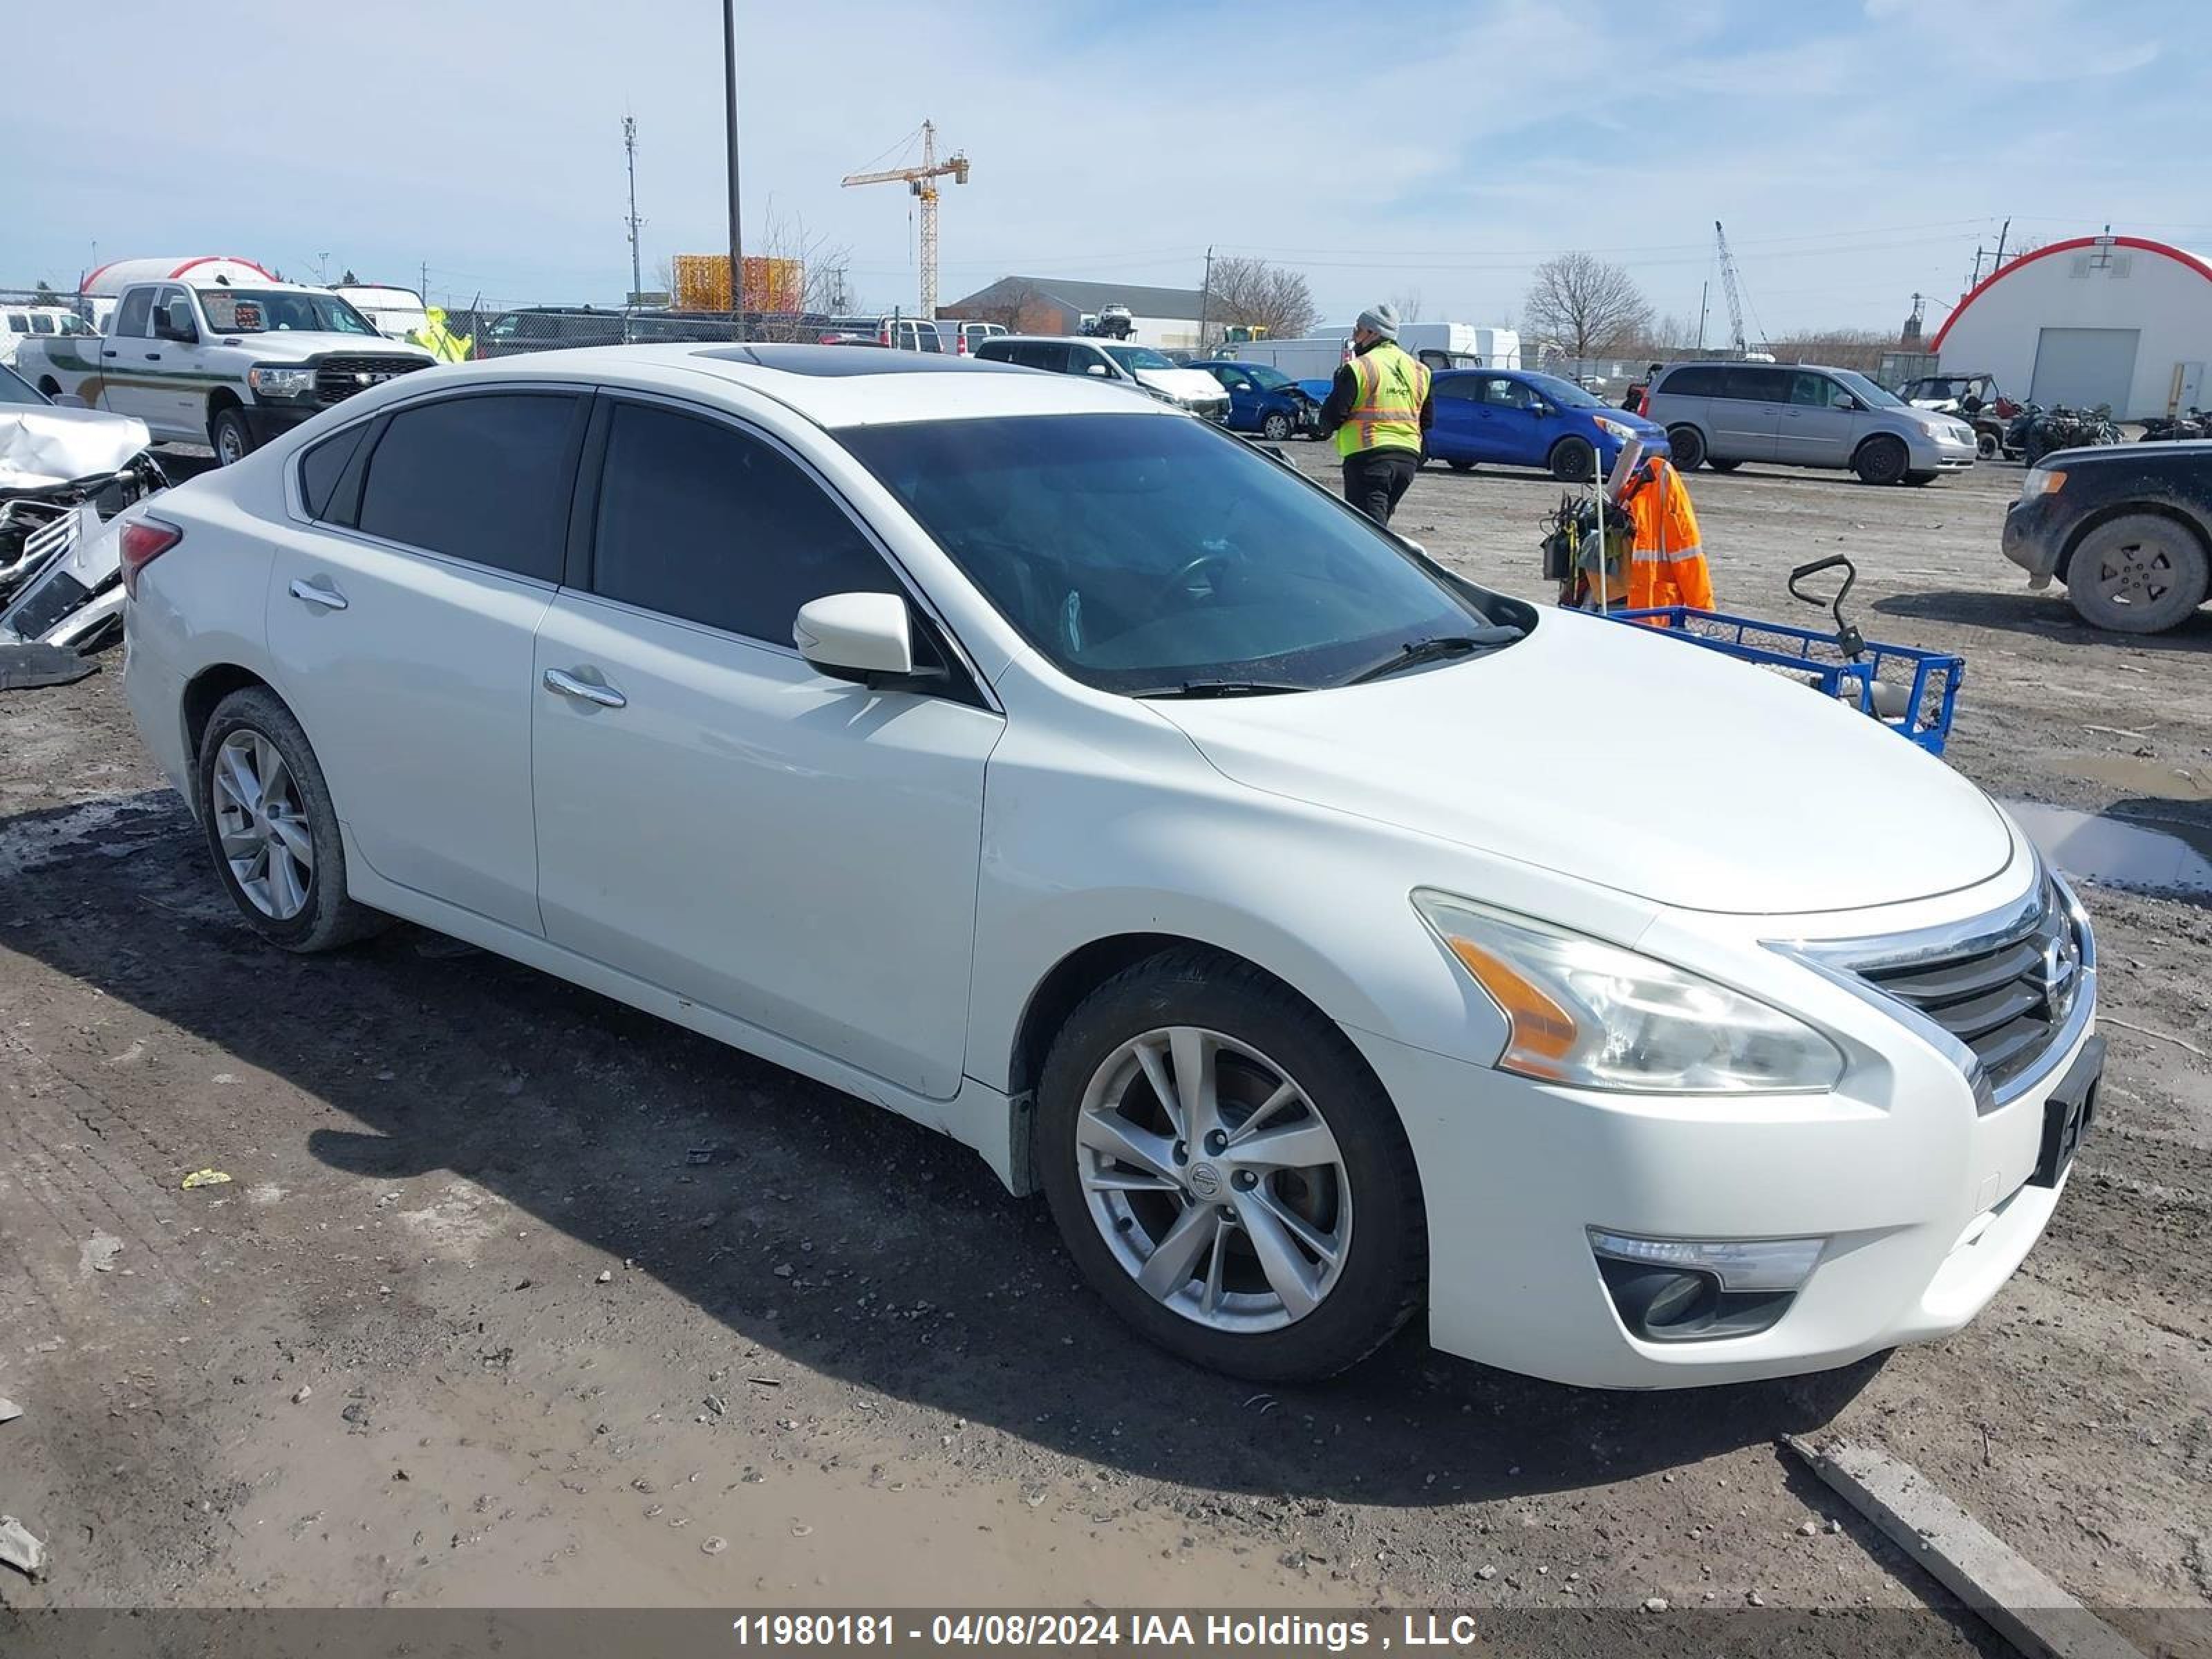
[[1574, 460], [1263, 1039], [1461, 466], [2137, 574], [1988, 446], [1687, 446], [270, 827], [1881, 460]]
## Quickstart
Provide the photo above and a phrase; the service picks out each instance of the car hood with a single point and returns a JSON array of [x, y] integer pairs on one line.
[[1186, 385], [292, 346], [1644, 764], [41, 447]]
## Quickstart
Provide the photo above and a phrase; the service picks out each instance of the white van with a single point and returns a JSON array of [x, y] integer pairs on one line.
[[1440, 345], [398, 313], [17, 323]]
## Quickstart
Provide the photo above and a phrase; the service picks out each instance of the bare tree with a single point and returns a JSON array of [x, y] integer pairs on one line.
[[1020, 309], [1257, 295], [1406, 302], [802, 277], [1584, 306]]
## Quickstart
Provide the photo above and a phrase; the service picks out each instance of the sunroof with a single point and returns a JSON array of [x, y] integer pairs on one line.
[[839, 361]]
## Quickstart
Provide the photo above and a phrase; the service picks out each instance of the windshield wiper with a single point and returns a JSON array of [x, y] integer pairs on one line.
[[1417, 651], [1221, 688]]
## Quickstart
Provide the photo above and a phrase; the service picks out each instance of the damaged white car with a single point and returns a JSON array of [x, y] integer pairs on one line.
[[64, 471]]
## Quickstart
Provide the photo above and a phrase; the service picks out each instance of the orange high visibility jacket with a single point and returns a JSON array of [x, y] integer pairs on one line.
[[1667, 562]]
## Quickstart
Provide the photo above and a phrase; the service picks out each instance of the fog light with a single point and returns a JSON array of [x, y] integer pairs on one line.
[[1682, 1290]]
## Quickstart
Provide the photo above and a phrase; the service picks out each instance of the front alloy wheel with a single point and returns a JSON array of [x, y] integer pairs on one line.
[[1205, 1136], [1213, 1179], [1276, 426]]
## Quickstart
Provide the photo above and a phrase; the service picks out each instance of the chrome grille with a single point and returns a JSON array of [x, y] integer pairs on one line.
[[338, 378], [2007, 999]]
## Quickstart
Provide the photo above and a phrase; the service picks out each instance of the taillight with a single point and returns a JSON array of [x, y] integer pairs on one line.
[[145, 540]]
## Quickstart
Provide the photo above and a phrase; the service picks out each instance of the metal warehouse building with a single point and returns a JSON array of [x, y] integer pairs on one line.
[[2099, 319]]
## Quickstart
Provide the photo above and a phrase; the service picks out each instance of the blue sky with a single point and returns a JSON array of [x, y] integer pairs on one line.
[[1857, 150]]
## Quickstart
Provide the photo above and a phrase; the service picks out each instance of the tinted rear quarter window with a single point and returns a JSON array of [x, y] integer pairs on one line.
[[1697, 381], [483, 478], [699, 520], [323, 466]]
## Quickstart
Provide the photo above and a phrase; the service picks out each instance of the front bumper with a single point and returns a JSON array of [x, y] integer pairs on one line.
[[1932, 455], [2033, 536], [1925, 1203], [265, 421]]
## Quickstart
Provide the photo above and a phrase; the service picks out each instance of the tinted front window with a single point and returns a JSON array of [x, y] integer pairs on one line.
[[1813, 391], [480, 478], [700, 521], [1140, 554]]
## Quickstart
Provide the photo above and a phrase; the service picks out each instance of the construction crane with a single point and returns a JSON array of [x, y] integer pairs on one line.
[[1729, 288], [922, 182]]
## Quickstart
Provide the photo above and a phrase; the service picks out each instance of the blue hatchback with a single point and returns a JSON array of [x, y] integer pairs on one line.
[[1521, 419], [1262, 399]]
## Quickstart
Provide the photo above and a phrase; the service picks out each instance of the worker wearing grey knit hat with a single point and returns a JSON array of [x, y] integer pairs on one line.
[[1379, 409]]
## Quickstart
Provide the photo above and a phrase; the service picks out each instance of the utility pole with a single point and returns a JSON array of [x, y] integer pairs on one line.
[[423, 279], [1205, 299], [1997, 264], [730, 118], [1974, 281], [1704, 291], [629, 149]]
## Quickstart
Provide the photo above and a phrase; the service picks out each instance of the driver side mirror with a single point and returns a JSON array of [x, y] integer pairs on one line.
[[69, 400], [1099, 369], [1847, 401], [865, 637]]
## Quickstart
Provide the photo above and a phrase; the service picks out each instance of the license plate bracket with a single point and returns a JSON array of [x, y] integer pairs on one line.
[[2069, 1115]]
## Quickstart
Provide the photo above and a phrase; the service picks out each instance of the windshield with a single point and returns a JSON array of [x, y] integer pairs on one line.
[[1133, 358], [1142, 554], [1565, 393], [14, 389], [1868, 392], [276, 311], [1269, 380]]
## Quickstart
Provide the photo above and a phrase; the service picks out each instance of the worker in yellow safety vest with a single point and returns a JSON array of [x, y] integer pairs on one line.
[[1379, 408], [439, 341]]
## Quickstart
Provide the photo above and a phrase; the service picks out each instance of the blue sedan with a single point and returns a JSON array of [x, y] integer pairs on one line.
[[1262, 399], [1519, 418]]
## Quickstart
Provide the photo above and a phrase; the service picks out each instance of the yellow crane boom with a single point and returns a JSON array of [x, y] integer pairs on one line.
[[922, 181]]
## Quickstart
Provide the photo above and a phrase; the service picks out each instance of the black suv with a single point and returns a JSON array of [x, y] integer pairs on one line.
[[2127, 527]]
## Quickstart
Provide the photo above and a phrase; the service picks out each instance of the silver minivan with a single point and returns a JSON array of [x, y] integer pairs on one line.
[[1722, 415]]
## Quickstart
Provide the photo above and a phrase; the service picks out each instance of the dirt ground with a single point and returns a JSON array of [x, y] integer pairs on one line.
[[518, 1297]]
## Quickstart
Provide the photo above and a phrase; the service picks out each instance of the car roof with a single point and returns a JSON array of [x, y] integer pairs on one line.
[[1059, 339], [832, 385]]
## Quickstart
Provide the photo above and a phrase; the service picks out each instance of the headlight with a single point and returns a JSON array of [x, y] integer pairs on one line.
[[1612, 428], [280, 380], [1582, 1011], [2042, 481]]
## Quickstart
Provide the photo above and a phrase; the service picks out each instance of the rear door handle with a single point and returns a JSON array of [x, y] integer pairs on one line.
[[153, 357], [315, 593], [570, 686]]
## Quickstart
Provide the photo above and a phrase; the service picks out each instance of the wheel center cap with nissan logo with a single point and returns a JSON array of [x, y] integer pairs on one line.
[[1206, 1181]]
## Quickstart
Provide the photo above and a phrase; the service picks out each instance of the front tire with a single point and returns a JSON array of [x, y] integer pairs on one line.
[[1208, 1144], [232, 438], [1687, 446], [1574, 460], [270, 827], [2137, 574], [1276, 426], [1719, 466], [1461, 466], [1988, 446], [1881, 460]]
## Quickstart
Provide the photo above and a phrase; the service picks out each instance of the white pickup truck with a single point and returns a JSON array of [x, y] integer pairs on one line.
[[225, 364]]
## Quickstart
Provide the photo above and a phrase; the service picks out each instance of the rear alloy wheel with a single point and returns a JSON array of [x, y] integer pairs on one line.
[[1227, 1173], [270, 827], [1687, 446], [1574, 460], [2137, 574], [1881, 460], [232, 439], [1276, 426]]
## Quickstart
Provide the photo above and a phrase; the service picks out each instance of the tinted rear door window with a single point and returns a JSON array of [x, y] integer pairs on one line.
[[699, 520], [482, 478], [137, 308], [1759, 386]]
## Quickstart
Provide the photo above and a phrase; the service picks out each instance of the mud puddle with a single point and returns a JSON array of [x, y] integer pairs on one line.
[[2144, 855]]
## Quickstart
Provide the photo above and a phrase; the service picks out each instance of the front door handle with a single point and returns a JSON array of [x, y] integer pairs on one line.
[[570, 686], [315, 593], [153, 357]]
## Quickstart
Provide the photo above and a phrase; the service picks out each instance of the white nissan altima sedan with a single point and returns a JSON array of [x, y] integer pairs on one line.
[[1330, 940]]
